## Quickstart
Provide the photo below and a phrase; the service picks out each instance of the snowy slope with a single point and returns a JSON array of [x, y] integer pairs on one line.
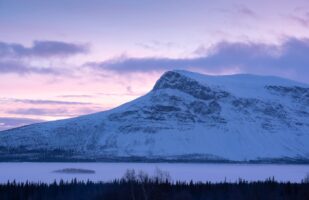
[[187, 116]]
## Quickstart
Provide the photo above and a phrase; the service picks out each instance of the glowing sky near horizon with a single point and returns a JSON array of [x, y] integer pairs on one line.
[[65, 58]]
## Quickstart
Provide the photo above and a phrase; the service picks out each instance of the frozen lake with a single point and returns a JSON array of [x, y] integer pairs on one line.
[[45, 172]]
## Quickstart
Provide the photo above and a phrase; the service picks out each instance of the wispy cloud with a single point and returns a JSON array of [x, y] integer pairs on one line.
[[244, 10], [290, 59], [43, 102], [239, 9], [50, 102], [42, 49], [122, 94], [12, 122], [156, 45], [40, 111], [301, 20], [76, 96], [19, 67], [300, 15], [54, 112]]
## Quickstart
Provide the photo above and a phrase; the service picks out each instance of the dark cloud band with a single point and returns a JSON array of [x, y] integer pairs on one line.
[[41, 49], [290, 59]]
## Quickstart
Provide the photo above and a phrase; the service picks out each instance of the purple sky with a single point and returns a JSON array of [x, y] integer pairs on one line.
[[64, 58]]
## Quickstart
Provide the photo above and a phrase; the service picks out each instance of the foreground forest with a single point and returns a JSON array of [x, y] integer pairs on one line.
[[142, 187]]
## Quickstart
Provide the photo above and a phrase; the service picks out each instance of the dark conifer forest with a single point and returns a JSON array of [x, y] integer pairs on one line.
[[150, 189]]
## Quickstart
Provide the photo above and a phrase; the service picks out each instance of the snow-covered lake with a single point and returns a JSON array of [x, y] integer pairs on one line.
[[45, 172]]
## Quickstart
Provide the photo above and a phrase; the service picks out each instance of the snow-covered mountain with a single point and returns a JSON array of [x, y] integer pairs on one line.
[[185, 117]]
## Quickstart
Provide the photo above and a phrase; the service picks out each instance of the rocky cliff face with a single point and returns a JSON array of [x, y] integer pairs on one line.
[[187, 116]]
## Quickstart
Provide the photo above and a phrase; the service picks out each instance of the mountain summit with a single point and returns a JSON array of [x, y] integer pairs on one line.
[[185, 117]]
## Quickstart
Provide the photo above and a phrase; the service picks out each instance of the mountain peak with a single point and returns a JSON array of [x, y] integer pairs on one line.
[[242, 85], [167, 79], [241, 77], [180, 81]]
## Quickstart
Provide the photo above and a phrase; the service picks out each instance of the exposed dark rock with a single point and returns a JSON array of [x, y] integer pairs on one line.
[[141, 128], [162, 108], [123, 115], [199, 107], [214, 107], [242, 103], [297, 93], [174, 80]]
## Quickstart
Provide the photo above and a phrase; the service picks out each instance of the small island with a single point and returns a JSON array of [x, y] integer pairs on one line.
[[75, 171]]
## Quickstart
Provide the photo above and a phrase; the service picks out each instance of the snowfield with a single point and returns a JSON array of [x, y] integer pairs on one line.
[[185, 117]]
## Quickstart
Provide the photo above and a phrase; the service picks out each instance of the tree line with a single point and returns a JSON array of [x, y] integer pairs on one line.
[[140, 186]]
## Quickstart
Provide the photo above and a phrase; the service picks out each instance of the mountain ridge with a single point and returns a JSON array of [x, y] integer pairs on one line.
[[186, 116]]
